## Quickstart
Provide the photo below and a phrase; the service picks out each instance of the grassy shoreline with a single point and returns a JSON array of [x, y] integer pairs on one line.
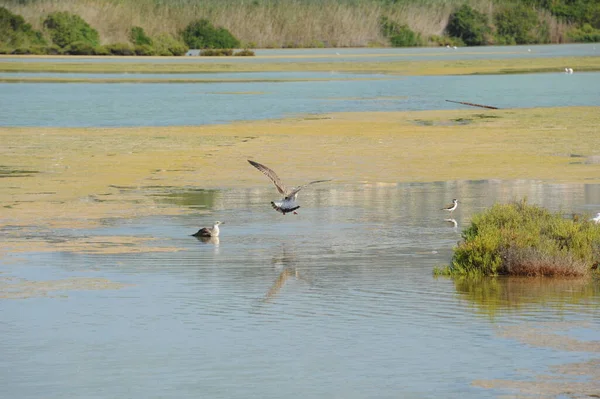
[[429, 67], [70, 177]]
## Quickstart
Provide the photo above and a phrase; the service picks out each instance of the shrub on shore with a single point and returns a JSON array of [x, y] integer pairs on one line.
[[15, 32], [139, 38], [586, 34], [525, 240], [469, 25], [167, 45], [221, 52], [516, 25], [120, 49], [399, 35], [201, 34], [244, 53], [84, 48], [66, 28]]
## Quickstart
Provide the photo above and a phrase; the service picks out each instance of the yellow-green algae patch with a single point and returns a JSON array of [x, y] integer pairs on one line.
[[402, 67], [87, 174], [581, 379], [106, 245], [22, 289]]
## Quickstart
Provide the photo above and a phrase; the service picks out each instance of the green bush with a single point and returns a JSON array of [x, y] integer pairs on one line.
[[38, 50], [166, 45], [120, 49], [139, 37], [586, 34], [216, 52], [469, 25], [517, 23], [446, 41], [144, 49], [244, 53], [201, 34], [14, 32], [80, 48], [526, 240], [66, 28], [399, 35]]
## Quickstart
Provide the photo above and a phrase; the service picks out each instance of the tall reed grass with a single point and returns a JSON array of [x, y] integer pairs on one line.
[[265, 23]]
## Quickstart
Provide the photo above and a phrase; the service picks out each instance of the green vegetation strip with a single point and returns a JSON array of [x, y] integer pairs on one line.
[[519, 239], [437, 67]]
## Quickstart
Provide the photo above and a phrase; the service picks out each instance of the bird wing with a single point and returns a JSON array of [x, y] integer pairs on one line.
[[205, 231], [297, 189], [271, 175]]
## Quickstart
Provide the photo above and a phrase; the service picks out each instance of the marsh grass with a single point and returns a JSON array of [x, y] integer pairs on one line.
[[264, 24], [271, 64], [519, 239]]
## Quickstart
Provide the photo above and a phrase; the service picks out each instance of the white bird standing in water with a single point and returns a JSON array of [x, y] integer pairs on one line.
[[288, 202], [209, 231], [450, 208]]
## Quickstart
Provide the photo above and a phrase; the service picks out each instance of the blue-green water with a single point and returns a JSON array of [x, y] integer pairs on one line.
[[358, 54], [158, 104], [337, 301]]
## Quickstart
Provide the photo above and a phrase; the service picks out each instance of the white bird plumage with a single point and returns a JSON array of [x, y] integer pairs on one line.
[[596, 219], [450, 208], [288, 202]]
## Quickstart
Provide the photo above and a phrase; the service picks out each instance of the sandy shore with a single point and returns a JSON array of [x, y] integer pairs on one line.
[[57, 177]]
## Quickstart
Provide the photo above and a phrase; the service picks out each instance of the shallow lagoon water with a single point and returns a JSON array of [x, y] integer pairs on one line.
[[338, 301], [362, 54], [157, 104]]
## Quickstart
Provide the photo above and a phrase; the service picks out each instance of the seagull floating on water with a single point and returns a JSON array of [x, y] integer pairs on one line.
[[208, 231], [288, 202], [450, 208]]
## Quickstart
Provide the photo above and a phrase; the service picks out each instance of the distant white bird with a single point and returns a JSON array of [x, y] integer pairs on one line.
[[596, 219], [450, 208], [288, 202], [209, 231], [337, 53], [447, 46], [570, 70], [454, 47], [529, 50]]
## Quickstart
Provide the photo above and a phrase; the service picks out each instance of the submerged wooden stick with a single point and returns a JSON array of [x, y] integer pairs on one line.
[[473, 105]]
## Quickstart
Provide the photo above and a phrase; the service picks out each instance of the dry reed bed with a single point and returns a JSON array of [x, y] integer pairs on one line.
[[328, 23]]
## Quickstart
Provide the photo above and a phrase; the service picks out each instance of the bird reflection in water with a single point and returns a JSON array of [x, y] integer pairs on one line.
[[210, 241], [453, 222], [287, 263]]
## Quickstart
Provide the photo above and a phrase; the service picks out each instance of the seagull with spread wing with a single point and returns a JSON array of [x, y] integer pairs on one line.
[[288, 202]]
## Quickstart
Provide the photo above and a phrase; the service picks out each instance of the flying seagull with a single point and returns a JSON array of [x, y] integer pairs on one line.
[[208, 231], [450, 208], [288, 202]]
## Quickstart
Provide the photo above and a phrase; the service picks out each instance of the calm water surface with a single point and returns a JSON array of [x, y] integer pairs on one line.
[[338, 301], [359, 54], [159, 104]]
